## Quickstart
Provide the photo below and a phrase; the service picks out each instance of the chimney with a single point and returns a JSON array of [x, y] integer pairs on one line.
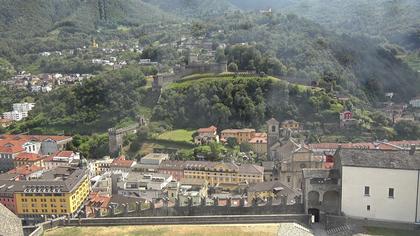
[[413, 149]]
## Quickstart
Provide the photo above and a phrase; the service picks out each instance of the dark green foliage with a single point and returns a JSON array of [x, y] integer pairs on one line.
[[407, 130], [241, 102], [98, 104]]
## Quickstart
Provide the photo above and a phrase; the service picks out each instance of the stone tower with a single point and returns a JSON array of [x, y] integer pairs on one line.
[[273, 135]]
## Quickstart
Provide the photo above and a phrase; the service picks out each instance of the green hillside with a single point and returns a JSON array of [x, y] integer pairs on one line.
[[398, 20], [22, 18]]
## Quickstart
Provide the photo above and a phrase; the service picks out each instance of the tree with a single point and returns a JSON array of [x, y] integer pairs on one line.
[[231, 142], [233, 67], [407, 130], [245, 147]]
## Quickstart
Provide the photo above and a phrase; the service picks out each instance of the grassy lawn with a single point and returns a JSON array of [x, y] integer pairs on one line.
[[182, 230], [179, 135], [390, 232]]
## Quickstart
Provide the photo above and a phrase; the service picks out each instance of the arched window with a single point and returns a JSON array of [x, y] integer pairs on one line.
[[273, 128]]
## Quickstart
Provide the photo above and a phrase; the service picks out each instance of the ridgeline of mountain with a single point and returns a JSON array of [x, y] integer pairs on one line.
[[397, 20], [193, 8], [27, 18]]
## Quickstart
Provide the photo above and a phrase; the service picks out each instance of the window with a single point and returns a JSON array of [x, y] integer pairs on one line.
[[288, 179], [368, 207], [367, 191], [273, 128], [391, 193]]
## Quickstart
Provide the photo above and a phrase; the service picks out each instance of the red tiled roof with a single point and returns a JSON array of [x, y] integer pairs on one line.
[[24, 156], [122, 162], [11, 147], [25, 170], [259, 138], [64, 154], [37, 138], [97, 200], [210, 129]]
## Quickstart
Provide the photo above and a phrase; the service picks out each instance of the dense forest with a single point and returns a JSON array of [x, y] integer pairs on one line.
[[243, 102], [96, 105]]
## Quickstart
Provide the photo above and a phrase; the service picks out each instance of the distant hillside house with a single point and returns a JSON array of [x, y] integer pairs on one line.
[[415, 102], [290, 124], [241, 135], [206, 135]]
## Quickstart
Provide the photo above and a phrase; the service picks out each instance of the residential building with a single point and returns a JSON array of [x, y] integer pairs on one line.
[[145, 186], [61, 191], [102, 166], [121, 164], [192, 191], [347, 120], [14, 115], [241, 135], [28, 159], [290, 124], [97, 205], [23, 107], [206, 135], [7, 193], [62, 159], [27, 172], [174, 168], [44, 144], [223, 174], [270, 190], [415, 102], [259, 143]]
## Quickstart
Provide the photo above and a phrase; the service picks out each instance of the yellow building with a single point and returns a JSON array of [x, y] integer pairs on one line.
[[270, 190], [241, 135], [290, 124], [259, 143], [61, 191], [217, 173]]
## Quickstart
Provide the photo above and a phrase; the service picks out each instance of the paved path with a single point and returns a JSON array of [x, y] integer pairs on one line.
[[319, 230]]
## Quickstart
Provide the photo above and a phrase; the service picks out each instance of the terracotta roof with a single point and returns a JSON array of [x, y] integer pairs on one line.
[[25, 170], [210, 129], [238, 130], [11, 147], [259, 138], [37, 138], [24, 156], [122, 162], [64, 154], [97, 200]]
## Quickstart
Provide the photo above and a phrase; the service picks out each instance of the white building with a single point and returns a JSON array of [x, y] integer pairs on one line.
[[415, 102], [14, 115], [23, 107], [380, 185]]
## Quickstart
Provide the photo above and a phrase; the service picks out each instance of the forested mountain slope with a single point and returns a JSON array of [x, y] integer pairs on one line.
[[398, 20]]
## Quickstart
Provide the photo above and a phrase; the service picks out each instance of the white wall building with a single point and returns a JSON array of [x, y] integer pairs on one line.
[[380, 185], [415, 102]]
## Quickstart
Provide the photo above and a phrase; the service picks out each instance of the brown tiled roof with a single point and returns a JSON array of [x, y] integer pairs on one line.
[[64, 154], [25, 156], [210, 129], [122, 162], [37, 138], [25, 170]]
